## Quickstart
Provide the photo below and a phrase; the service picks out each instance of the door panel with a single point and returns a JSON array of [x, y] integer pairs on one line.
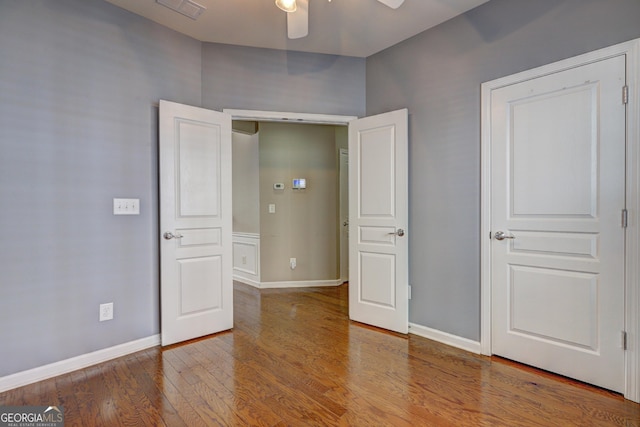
[[378, 269], [195, 209], [196, 294], [376, 152], [377, 272], [568, 298], [198, 168], [558, 189], [555, 132]]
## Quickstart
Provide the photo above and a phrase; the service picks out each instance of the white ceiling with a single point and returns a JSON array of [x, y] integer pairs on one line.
[[340, 27]]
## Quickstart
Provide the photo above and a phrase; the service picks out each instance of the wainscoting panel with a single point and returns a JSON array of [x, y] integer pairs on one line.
[[246, 258]]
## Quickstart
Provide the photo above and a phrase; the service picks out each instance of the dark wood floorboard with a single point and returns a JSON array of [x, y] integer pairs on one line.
[[295, 359]]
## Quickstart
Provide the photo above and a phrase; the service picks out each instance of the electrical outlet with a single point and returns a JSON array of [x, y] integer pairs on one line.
[[106, 311], [292, 263]]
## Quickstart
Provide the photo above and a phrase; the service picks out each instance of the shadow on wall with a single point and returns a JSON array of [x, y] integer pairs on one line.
[[304, 63], [493, 24]]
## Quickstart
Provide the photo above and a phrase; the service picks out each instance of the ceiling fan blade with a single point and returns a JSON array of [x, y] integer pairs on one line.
[[298, 21], [393, 4]]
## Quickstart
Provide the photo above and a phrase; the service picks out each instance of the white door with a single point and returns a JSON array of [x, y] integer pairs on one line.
[[344, 215], [195, 222], [378, 218], [558, 194]]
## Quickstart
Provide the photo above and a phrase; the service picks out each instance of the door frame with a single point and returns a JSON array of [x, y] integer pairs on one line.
[[296, 118], [343, 239], [632, 242], [288, 117]]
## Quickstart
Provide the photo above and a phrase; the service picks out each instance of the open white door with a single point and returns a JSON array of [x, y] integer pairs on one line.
[[378, 217], [195, 222]]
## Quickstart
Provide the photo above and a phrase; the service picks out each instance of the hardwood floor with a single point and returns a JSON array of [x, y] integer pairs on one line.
[[294, 359]]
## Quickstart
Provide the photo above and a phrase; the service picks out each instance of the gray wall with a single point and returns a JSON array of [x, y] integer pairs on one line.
[[305, 222], [78, 81], [275, 80], [246, 183], [437, 75]]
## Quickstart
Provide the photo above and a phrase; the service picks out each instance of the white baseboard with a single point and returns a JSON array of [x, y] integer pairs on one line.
[[300, 284], [445, 338], [40, 373], [290, 284], [246, 281]]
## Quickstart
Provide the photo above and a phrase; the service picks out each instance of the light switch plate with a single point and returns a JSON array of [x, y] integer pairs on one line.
[[126, 206]]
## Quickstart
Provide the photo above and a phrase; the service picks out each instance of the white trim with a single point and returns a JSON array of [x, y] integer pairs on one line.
[[344, 270], [246, 281], [632, 286], [279, 116], [300, 284], [247, 235], [79, 362], [288, 284], [445, 338], [632, 307], [485, 219]]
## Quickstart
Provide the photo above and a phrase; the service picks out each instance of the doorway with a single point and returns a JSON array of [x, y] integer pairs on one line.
[[557, 288], [286, 180], [378, 203]]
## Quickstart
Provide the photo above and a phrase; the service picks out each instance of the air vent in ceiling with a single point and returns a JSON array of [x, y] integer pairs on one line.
[[185, 7]]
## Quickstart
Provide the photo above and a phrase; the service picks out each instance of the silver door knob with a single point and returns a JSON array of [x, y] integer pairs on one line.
[[169, 235], [500, 235], [399, 232]]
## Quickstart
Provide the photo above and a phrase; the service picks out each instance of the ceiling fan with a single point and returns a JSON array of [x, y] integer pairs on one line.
[[298, 15]]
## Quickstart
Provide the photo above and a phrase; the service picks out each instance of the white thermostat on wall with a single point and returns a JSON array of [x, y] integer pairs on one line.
[[278, 186], [299, 183]]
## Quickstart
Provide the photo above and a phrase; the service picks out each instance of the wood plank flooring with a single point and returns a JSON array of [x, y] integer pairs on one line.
[[294, 359]]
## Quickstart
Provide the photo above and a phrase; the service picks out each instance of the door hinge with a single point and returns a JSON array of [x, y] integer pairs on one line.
[[409, 291], [625, 94], [625, 218], [623, 340]]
